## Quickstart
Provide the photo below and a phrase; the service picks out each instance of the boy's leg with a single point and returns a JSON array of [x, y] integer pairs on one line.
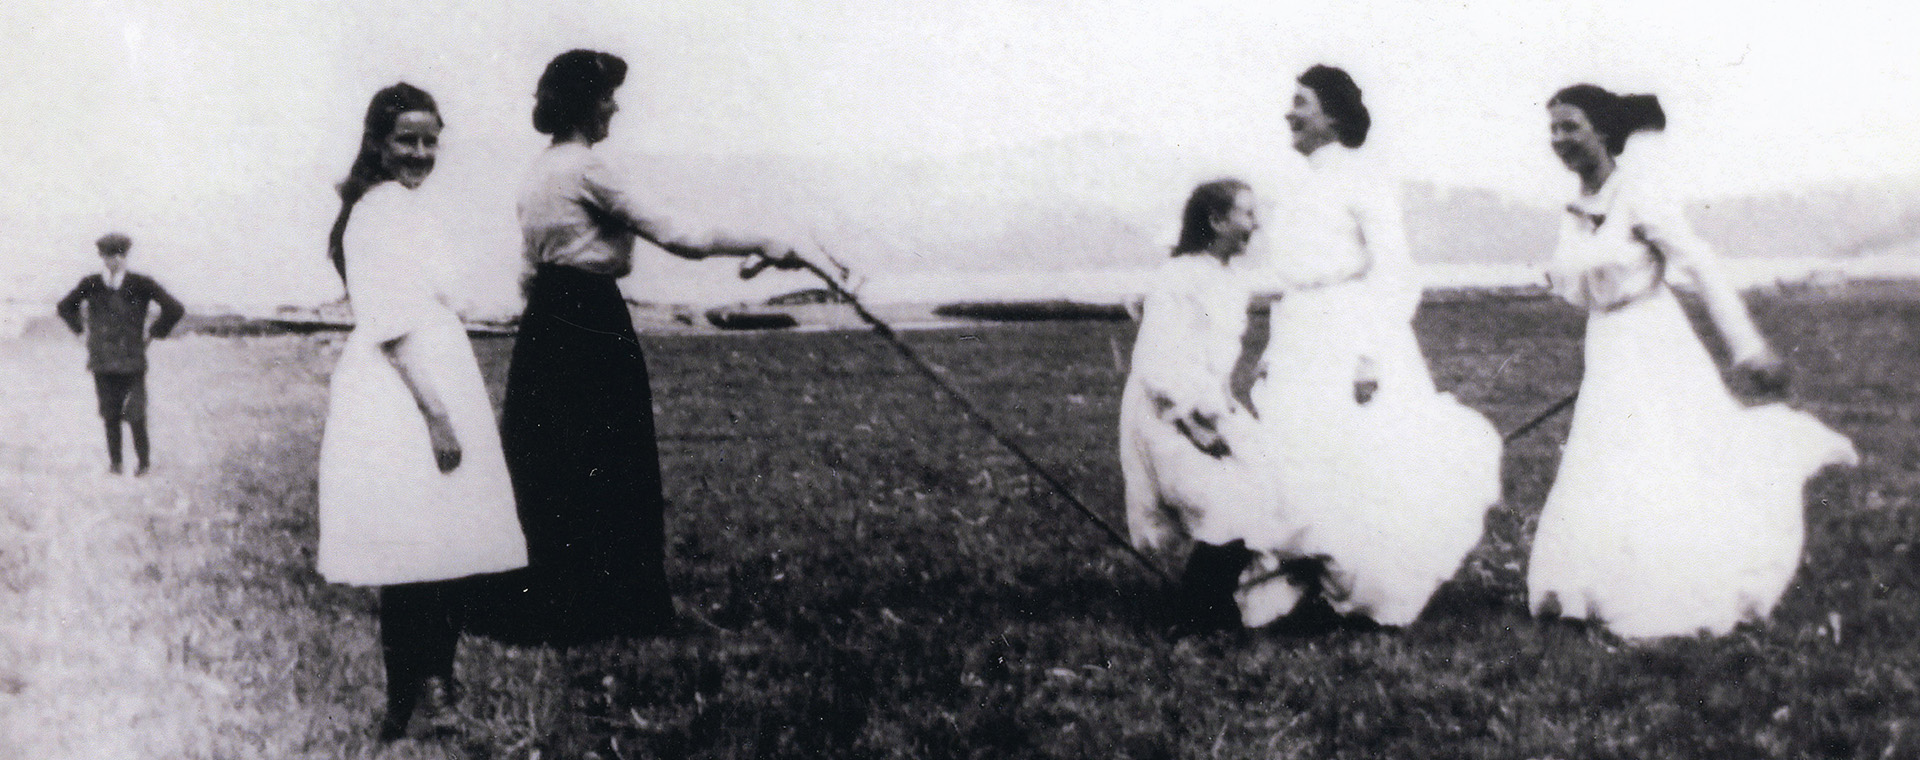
[[136, 416], [111, 389]]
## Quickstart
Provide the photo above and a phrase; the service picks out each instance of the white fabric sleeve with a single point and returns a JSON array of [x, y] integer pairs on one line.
[[385, 278], [1174, 359], [680, 230], [1690, 259], [1391, 280], [1391, 270]]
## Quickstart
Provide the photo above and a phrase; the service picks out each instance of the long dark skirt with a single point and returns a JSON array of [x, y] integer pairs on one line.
[[577, 430]]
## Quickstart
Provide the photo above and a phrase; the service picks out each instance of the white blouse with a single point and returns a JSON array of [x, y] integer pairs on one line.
[[395, 273], [1341, 234], [1626, 241], [1343, 223], [576, 211]]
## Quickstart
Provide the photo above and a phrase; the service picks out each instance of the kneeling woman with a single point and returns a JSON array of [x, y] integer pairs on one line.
[[1184, 442]]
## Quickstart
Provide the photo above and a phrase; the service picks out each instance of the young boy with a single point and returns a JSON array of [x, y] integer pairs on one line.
[[117, 335]]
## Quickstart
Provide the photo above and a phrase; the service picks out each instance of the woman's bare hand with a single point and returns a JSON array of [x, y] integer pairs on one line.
[[1203, 431], [757, 262], [446, 445], [1765, 373], [1366, 381], [788, 260]]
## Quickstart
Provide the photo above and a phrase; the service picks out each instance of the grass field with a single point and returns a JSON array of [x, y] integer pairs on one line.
[[868, 577]]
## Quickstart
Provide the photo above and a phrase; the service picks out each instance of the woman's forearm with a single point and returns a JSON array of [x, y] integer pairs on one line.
[[445, 444], [1730, 315], [1684, 251], [696, 242], [700, 249], [1390, 273], [403, 354]]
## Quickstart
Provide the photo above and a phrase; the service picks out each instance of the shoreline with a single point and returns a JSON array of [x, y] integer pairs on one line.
[[686, 319]]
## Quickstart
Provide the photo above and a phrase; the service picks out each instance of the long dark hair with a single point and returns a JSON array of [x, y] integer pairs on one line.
[[1340, 100], [1208, 201], [569, 93], [1615, 117], [367, 171]]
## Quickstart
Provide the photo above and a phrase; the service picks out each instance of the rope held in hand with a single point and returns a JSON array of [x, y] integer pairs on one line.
[[970, 409], [1543, 416]]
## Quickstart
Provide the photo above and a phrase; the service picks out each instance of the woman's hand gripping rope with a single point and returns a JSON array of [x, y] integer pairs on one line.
[[834, 281]]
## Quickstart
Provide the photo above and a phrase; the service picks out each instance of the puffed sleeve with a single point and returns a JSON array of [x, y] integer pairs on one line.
[[1690, 260], [386, 284], [1391, 274]]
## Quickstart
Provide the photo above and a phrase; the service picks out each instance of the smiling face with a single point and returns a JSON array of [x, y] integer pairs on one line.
[[1577, 143], [1233, 229], [407, 153], [1310, 124]]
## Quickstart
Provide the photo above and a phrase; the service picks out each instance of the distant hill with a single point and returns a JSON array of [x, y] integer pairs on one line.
[[1830, 220], [1471, 225], [1089, 203], [1061, 205]]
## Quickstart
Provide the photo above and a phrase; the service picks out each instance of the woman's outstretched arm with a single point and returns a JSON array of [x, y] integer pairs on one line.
[[613, 206], [1684, 253]]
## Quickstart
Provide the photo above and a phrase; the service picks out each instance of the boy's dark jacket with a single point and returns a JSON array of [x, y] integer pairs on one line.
[[116, 324]]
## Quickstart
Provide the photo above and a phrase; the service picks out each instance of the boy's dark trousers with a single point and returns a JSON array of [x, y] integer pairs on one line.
[[123, 396]]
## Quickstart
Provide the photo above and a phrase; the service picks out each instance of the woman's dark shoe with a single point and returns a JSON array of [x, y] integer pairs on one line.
[[437, 713], [1205, 599], [393, 727], [430, 711], [1364, 624], [1313, 616]]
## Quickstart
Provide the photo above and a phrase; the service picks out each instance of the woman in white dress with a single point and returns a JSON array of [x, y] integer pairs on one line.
[[413, 489], [1676, 508], [1383, 479], [1184, 441]]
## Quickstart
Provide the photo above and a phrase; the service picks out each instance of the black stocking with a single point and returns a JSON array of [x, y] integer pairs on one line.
[[419, 632]]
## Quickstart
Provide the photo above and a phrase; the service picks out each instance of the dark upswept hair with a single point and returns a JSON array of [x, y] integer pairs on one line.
[[570, 90], [367, 171], [1340, 100], [1615, 117], [1209, 200]]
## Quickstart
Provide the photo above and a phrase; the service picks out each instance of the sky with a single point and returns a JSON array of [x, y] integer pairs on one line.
[[212, 132]]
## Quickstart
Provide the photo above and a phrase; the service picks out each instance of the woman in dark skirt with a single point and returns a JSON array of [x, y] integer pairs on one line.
[[577, 423]]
